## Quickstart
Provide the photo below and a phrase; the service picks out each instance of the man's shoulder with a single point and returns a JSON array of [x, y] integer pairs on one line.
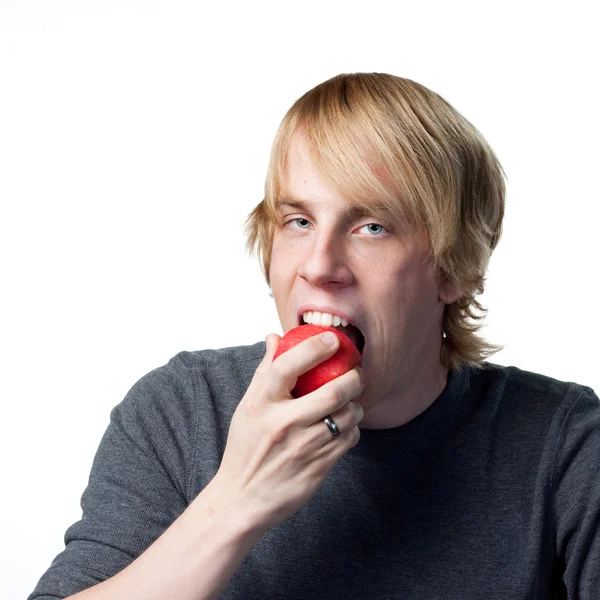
[[210, 373], [220, 360], [215, 371], [532, 389]]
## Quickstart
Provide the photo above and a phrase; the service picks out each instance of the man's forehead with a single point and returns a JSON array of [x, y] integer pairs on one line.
[[350, 209]]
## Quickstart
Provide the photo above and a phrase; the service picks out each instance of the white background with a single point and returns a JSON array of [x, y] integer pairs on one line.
[[134, 140]]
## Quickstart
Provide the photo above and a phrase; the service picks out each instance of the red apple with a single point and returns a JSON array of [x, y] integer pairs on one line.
[[346, 358]]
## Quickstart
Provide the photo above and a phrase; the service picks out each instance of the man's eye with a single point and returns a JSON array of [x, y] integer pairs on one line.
[[288, 223], [303, 224], [381, 227]]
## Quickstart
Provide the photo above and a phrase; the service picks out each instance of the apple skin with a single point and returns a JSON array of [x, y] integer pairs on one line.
[[345, 359]]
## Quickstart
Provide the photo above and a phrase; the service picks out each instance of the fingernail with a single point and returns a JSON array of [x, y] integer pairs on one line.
[[329, 338]]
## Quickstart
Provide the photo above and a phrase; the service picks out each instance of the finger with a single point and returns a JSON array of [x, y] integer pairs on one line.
[[272, 341], [330, 398], [333, 450], [287, 367], [347, 418]]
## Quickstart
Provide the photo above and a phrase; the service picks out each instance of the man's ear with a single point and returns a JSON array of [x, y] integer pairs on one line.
[[449, 293]]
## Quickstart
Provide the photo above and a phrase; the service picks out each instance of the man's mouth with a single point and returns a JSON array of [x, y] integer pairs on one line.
[[353, 332]]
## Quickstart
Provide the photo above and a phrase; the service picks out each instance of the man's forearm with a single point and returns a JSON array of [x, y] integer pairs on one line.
[[194, 559]]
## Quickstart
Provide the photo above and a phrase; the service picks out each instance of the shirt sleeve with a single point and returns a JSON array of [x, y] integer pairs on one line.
[[576, 495], [137, 487]]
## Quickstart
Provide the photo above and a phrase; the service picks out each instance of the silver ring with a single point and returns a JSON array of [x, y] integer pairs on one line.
[[331, 426]]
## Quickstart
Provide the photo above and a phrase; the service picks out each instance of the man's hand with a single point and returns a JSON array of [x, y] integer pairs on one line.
[[279, 452]]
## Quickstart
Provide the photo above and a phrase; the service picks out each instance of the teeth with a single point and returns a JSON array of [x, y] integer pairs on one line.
[[323, 319]]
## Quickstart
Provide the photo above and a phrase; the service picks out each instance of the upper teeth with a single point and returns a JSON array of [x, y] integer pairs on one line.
[[323, 319]]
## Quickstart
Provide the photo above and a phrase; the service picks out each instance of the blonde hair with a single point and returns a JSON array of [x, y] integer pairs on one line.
[[383, 139]]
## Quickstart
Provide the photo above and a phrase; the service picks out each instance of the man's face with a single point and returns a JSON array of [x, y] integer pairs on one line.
[[378, 278]]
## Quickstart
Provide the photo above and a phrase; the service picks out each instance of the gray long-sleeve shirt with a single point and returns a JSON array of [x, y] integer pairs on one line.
[[493, 492]]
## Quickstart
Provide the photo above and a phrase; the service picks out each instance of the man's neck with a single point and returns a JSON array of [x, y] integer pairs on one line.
[[423, 384]]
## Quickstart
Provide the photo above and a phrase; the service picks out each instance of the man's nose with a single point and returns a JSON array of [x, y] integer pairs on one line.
[[326, 263]]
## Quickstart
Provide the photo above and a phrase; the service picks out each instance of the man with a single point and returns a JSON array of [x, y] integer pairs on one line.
[[427, 473]]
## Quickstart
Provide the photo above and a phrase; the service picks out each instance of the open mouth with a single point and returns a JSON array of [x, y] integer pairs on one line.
[[354, 333]]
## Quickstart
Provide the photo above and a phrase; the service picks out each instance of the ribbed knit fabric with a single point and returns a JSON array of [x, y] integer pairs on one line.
[[491, 493]]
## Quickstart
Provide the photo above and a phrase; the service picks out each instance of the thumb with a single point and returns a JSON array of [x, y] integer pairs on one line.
[[272, 340]]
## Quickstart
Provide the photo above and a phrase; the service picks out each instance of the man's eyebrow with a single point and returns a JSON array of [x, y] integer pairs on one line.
[[353, 212], [291, 202]]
